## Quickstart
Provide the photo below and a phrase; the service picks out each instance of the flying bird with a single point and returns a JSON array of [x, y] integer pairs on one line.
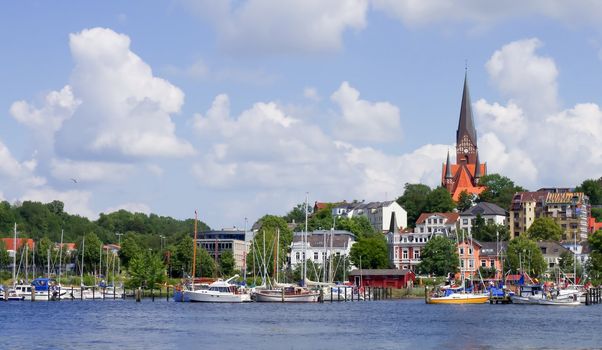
[[74, 180]]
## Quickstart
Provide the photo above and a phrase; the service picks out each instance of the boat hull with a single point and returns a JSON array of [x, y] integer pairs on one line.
[[206, 296], [277, 297], [459, 299]]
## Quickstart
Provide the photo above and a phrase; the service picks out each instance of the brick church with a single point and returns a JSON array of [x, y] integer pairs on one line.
[[465, 174]]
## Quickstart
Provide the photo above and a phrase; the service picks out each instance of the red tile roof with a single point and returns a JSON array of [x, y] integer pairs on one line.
[[9, 243], [451, 217]]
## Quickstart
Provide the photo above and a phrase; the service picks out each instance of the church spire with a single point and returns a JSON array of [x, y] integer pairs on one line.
[[477, 172], [448, 173], [466, 123]]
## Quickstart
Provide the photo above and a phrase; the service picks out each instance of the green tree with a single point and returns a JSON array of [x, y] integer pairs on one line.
[[593, 189], [597, 214], [524, 252], [499, 190], [146, 269], [44, 249], [439, 200], [595, 241], [297, 214], [205, 263], [465, 201], [91, 247], [129, 249], [4, 257], [227, 263], [272, 229], [358, 225], [7, 217], [489, 232], [372, 251], [414, 200], [439, 257], [182, 256], [544, 229]]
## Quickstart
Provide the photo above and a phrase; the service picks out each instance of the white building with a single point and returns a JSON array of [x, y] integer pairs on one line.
[[440, 223], [491, 213], [378, 213], [321, 245]]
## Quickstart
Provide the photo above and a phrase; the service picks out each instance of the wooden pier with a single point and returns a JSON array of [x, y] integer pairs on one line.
[[593, 296]]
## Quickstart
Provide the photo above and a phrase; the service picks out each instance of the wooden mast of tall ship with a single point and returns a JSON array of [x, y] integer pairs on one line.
[[194, 249]]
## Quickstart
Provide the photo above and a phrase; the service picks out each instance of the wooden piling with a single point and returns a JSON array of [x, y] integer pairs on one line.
[[331, 294], [33, 293], [138, 295]]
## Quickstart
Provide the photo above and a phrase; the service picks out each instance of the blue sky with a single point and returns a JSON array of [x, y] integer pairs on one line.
[[238, 108]]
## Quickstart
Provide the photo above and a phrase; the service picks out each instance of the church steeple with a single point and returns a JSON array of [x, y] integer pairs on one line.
[[465, 174], [477, 172], [448, 173], [466, 135]]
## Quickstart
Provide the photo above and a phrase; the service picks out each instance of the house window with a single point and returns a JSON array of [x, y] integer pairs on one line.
[[471, 263], [492, 263], [462, 263], [465, 221], [405, 254], [416, 254], [483, 263], [469, 250], [461, 250], [297, 256], [315, 255]]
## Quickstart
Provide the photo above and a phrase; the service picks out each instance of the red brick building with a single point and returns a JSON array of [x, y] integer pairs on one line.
[[465, 174]]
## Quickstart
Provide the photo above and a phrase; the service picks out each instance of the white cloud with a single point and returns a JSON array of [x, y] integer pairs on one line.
[[486, 13], [282, 26], [89, 171], [265, 153], [537, 147], [76, 202], [364, 120], [13, 171], [58, 106], [125, 110], [528, 78], [507, 122], [311, 94], [131, 207]]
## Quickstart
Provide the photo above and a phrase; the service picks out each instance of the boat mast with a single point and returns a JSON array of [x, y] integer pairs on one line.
[[26, 262], [15, 256], [60, 256], [194, 249], [48, 262], [305, 240], [244, 257], [277, 252], [81, 278]]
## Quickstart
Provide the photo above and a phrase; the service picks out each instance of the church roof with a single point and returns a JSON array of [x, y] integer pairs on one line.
[[466, 123]]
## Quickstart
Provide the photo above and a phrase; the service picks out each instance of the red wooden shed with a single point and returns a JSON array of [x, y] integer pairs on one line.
[[384, 278]]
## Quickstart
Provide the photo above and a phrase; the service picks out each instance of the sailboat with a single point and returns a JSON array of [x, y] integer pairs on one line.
[[287, 293], [450, 295]]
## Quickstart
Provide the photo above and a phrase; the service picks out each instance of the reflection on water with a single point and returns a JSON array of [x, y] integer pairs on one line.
[[405, 324]]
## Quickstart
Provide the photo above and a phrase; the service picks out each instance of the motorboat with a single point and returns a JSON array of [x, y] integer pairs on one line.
[[219, 291], [40, 289]]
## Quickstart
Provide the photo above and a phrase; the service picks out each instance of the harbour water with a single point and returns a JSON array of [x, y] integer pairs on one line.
[[390, 324]]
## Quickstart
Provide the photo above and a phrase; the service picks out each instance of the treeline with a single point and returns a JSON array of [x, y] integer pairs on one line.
[[38, 220]]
